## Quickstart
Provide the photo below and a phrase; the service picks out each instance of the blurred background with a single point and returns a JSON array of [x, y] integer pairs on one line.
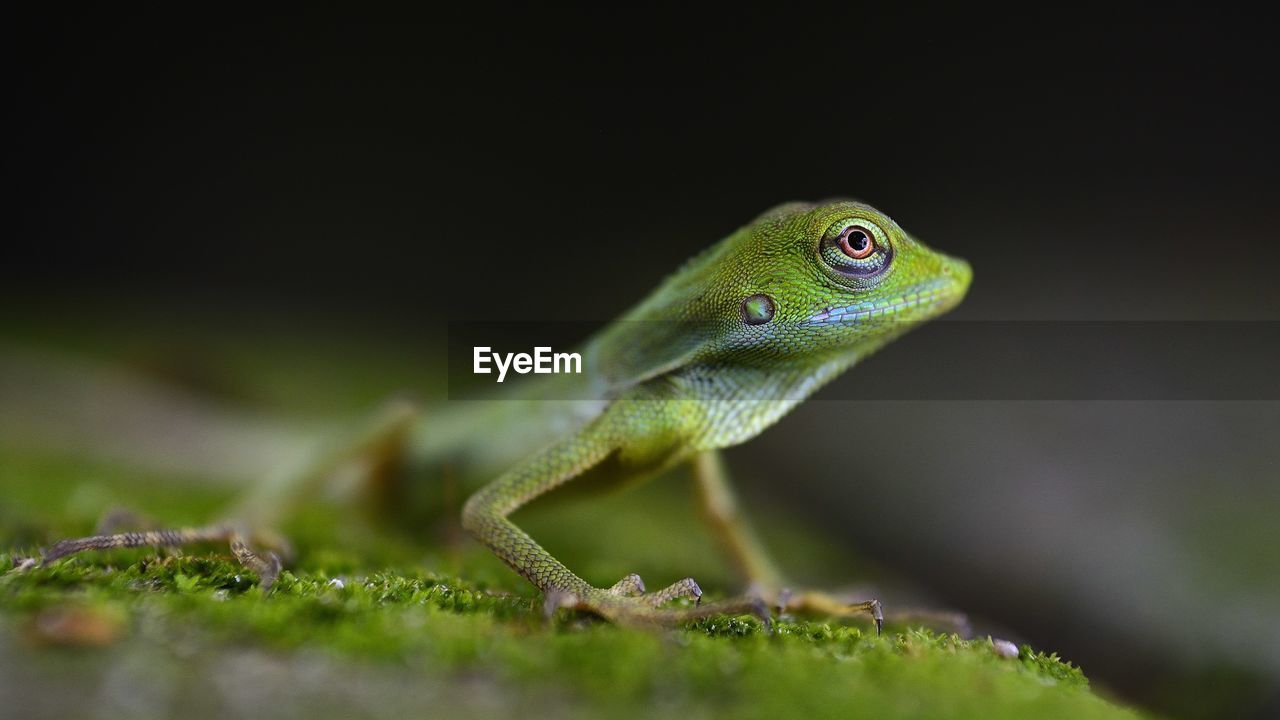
[[183, 195]]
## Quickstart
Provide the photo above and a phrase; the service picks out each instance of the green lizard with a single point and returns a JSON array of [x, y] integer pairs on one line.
[[720, 351]]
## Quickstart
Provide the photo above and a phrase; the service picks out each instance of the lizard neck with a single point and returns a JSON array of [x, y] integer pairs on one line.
[[737, 403]]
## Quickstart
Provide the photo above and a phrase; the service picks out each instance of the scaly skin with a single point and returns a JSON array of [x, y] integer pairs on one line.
[[720, 351]]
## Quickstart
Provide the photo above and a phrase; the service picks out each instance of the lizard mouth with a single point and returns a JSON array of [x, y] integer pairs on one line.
[[917, 303]]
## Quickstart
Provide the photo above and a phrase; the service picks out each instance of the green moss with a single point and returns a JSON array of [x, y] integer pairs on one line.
[[412, 619]]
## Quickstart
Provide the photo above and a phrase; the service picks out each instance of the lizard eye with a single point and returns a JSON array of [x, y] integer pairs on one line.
[[856, 242], [856, 248]]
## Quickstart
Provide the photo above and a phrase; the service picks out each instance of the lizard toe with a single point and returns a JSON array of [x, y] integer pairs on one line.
[[630, 586], [686, 588]]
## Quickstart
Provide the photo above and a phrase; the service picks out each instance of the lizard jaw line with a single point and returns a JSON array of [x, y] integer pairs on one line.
[[930, 294]]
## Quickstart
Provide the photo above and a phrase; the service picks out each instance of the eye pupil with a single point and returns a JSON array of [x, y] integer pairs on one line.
[[856, 243]]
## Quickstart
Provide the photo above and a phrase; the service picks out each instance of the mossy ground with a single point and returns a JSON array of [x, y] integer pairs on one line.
[[372, 625]]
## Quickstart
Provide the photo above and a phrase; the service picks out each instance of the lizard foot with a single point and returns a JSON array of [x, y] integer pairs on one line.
[[119, 520], [266, 565], [627, 603], [633, 586], [820, 603]]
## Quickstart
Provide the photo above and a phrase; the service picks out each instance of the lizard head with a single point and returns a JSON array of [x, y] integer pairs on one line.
[[837, 277], [803, 284]]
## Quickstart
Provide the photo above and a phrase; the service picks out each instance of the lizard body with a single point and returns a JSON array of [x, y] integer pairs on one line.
[[721, 350]]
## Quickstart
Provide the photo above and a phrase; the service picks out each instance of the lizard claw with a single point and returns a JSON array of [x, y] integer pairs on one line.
[[873, 608], [629, 586], [877, 614]]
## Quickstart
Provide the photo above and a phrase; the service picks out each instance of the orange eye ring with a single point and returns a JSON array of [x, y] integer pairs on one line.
[[856, 242]]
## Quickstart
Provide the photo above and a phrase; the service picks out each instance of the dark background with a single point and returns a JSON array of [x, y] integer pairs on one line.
[[555, 167], [1089, 166]]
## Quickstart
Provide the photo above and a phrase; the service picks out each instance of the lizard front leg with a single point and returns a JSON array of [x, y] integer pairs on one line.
[[486, 513]]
